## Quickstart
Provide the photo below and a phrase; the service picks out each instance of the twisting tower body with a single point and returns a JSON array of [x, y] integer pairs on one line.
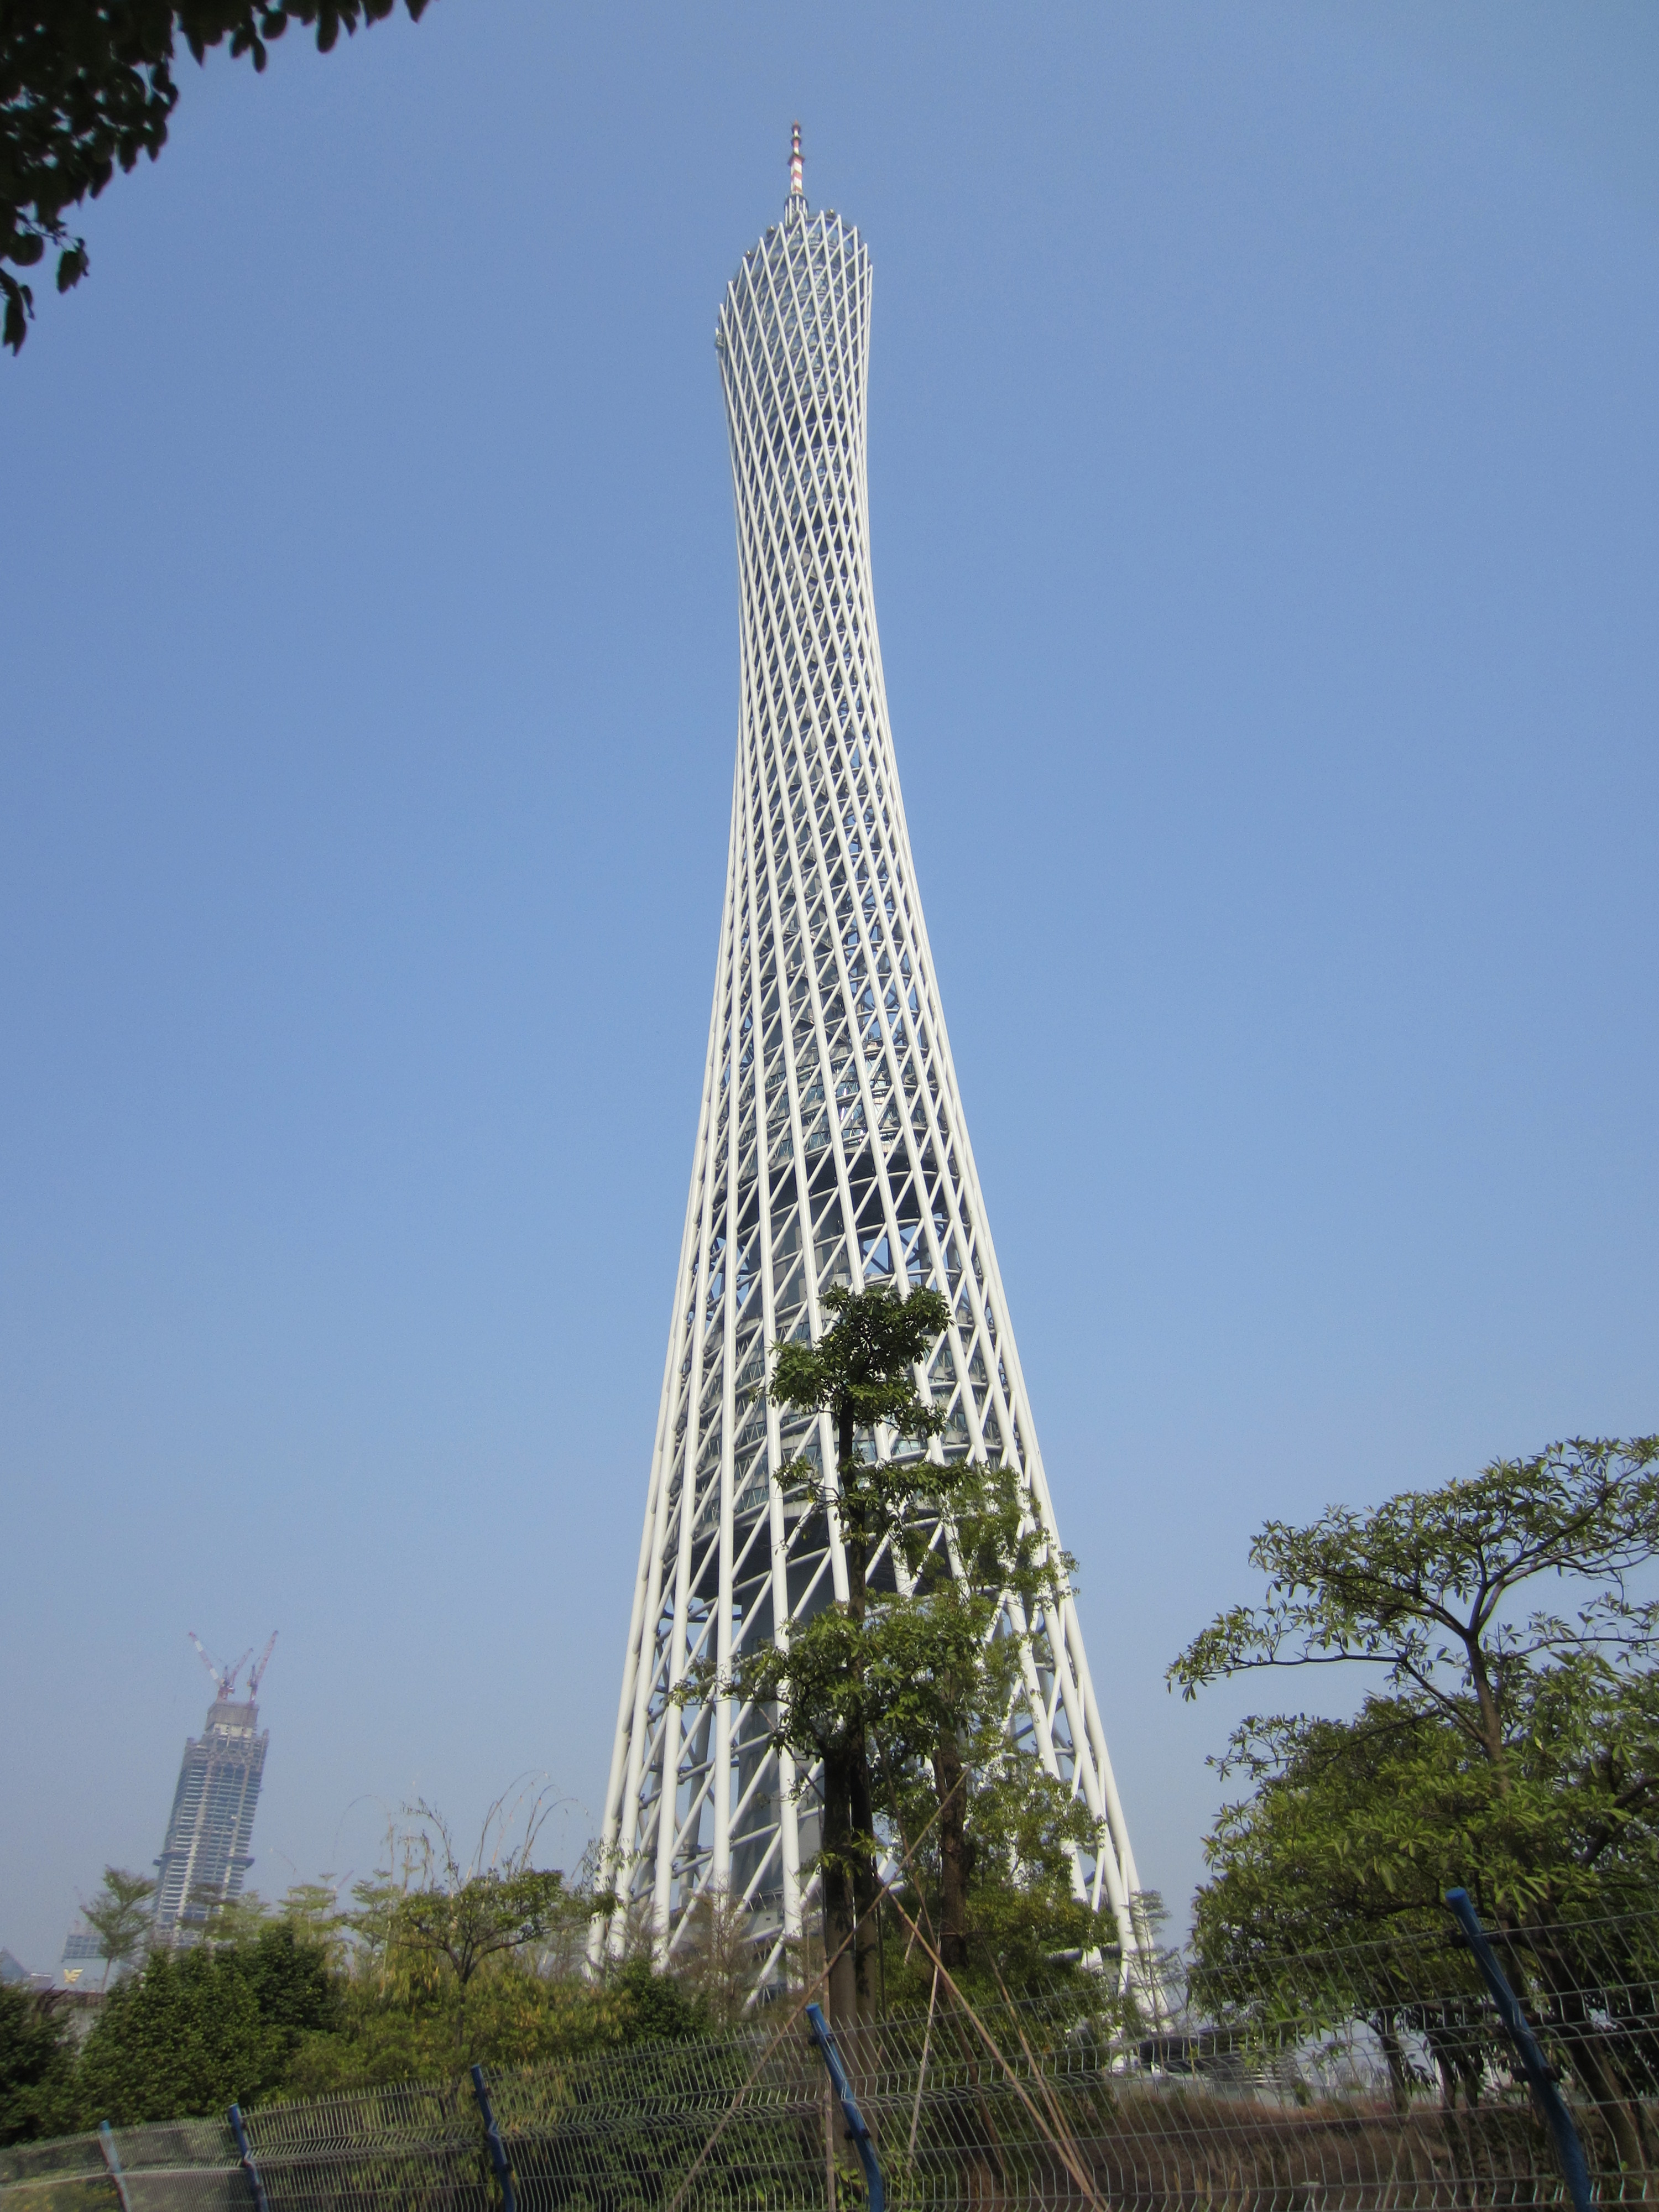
[[831, 1148]]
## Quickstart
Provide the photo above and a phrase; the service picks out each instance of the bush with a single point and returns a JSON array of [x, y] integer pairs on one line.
[[514, 2017], [267, 2016], [200, 2030], [37, 2067]]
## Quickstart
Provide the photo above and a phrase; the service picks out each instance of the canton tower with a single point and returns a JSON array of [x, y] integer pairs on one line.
[[831, 1148]]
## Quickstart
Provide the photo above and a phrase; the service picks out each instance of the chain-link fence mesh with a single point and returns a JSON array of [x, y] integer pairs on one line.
[[1362, 2078]]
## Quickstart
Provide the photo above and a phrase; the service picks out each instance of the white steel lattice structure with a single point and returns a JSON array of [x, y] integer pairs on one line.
[[831, 1148]]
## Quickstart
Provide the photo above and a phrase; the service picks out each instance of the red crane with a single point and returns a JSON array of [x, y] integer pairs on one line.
[[224, 1680]]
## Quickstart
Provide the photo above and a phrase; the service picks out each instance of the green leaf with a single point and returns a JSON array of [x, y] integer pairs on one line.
[[20, 305]]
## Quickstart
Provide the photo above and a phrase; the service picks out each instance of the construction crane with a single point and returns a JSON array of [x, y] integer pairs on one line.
[[263, 1661], [225, 1682]]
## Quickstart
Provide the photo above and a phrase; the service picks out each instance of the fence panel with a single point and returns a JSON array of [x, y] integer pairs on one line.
[[1373, 2078]]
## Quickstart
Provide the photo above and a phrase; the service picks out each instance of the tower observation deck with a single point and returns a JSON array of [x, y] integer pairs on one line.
[[831, 1148]]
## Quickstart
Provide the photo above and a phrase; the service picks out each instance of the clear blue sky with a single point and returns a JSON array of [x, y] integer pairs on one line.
[[1265, 499]]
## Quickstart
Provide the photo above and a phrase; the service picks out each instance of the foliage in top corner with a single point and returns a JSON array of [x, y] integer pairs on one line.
[[86, 86]]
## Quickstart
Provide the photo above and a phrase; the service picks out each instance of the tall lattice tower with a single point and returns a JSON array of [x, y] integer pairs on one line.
[[831, 1146]]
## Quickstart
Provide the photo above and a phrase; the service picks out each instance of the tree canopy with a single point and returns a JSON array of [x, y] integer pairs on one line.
[[900, 1696], [1510, 1747], [120, 1917], [437, 1962], [997, 1833], [199, 2028], [861, 1373], [37, 2066], [86, 86]]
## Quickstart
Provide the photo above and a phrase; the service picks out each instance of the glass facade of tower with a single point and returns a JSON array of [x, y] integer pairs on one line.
[[206, 1854], [831, 1148]]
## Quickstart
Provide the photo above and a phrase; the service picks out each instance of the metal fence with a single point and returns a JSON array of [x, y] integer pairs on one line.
[[1370, 2076]]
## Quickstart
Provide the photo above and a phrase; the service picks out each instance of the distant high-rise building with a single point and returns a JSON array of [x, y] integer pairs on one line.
[[81, 1947], [831, 1151], [206, 1854]]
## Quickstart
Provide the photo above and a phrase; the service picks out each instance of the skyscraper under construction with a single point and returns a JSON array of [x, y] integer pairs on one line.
[[206, 1854]]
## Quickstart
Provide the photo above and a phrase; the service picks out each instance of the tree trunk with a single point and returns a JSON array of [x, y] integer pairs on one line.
[[1588, 2054], [862, 1885], [839, 1905], [951, 1784], [1399, 2087], [866, 1889], [1492, 1721], [853, 1536], [1592, 2054]]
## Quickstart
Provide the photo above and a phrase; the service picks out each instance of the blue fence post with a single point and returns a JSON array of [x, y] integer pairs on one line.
[[855, 2127], [112, 2160], [498, 2157], [1552, 2105], [250, 2166]]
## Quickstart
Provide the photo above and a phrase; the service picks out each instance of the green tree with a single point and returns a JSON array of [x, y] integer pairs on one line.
[[238, 1919], [87, 85], [1015, 1923], [464, 1916], [826, 1705], [1509, 1747], [902, 1695], [1423, 1587], [658, 2007], [928, 1678], [199, 2029], [121, 1916], [480, 1917], [293, 1985], [37, 2066], [312, 1909], [1000, 1835], [861, 1372], [1355, 1828], [399, 2029]]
